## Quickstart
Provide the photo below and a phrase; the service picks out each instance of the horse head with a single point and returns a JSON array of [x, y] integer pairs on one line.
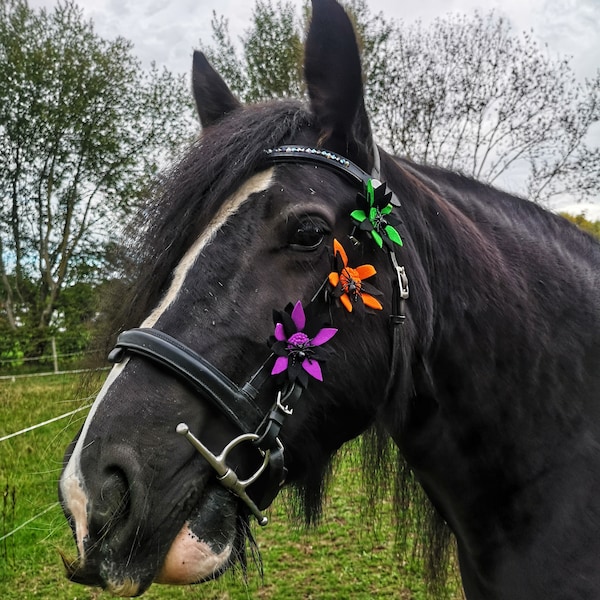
[[258, 323]]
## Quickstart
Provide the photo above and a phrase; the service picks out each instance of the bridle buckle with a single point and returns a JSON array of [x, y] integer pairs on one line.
[[401, 276]]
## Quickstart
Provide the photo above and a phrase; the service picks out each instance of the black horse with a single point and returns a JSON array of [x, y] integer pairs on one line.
[[275, 325]]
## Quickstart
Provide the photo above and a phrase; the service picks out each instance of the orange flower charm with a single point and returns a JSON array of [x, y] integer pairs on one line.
[[348, 283]]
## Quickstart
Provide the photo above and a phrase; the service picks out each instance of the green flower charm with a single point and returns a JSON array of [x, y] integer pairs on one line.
[[374, 215]]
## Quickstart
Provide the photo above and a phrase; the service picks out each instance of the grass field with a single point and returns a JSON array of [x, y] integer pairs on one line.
[[344, 557]]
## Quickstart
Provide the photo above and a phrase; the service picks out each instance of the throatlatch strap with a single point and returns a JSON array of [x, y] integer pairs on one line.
[[400, 294]]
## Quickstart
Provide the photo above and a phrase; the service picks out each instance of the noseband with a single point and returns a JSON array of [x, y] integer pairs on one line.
[[238, 403]]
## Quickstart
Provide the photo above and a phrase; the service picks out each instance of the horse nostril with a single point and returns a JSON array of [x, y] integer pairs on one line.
[[113, 501]]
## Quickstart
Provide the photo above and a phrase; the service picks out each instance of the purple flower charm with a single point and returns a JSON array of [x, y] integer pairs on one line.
[[297, 351]]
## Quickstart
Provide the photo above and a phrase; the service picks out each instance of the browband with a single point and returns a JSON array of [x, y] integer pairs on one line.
[[325, 157], [331, 160]]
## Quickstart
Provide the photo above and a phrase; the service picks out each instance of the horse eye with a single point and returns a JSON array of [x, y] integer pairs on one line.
[[307, 235]]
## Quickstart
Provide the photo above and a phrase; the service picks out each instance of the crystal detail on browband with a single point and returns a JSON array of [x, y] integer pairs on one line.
[[308, 150]]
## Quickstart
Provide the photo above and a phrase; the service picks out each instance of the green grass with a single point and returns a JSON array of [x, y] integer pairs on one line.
[[344, 557]]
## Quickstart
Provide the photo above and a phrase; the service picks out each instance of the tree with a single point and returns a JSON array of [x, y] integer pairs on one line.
[[83, 129], [465, 93], [273, 40], [468, 95], [592, 227]]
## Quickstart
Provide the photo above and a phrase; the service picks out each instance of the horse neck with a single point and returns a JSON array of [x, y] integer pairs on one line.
[[476, 327], [499, 371]]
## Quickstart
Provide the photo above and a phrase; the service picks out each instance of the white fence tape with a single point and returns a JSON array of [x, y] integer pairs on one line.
[[48, 509], [49, 373], [16, 433]]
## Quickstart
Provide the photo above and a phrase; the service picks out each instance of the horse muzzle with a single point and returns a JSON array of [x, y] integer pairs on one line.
[[125, 553]]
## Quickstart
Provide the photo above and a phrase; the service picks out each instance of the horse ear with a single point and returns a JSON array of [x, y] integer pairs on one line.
[[333, 75], [213, 98]]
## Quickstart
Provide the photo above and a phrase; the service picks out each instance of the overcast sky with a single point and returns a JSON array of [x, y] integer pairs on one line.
[[167, 31]]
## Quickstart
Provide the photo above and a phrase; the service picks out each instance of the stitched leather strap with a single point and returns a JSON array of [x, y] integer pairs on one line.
[[235, 403]]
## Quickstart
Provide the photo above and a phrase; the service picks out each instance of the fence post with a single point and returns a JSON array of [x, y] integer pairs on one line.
[[54, 355]]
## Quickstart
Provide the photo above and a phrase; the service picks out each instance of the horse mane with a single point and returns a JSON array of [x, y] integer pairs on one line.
[[488, 218]]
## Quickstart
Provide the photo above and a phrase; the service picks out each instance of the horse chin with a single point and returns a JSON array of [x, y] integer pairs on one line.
[[204, 546]]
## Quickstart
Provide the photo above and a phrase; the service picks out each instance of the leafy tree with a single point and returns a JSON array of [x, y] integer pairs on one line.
[[581, 221], [465, 93], [82, 130], [274, 40]]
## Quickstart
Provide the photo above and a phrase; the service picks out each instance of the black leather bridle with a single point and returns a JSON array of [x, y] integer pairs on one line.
[[237, 403]]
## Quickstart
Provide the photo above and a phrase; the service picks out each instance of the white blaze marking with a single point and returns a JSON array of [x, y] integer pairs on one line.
[[71, 482], [255, 184]]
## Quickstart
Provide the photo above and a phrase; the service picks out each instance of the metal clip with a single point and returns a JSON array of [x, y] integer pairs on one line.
[[352, 238], [227, 476], [284, 407], [402, 277]]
